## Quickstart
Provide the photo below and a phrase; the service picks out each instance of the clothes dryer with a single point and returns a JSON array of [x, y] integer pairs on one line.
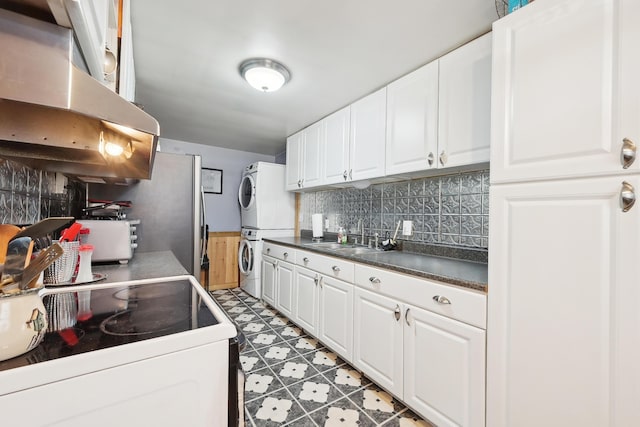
[[250, 257], [264, 202]]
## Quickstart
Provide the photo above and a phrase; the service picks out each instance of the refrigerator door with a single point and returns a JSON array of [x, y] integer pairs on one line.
[[168, 206]]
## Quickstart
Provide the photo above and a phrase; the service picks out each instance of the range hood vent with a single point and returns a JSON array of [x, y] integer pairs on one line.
[[56, 117]]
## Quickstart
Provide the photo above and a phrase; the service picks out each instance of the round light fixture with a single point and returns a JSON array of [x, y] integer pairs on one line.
[[264, 74]]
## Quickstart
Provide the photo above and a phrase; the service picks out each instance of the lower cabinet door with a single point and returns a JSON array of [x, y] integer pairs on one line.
[[285, 297], [306, 306], [268, 278], [444, 369], [378, 339], [335, 328]]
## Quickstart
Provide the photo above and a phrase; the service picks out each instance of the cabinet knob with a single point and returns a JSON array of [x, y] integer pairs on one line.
[[406, 317], [430, 159], [268, 250], [336, 268], [441, 300], [443, 158], [396, 313], [374, 280], [305, 259], [628, 153], [627, 196], [286, 254]]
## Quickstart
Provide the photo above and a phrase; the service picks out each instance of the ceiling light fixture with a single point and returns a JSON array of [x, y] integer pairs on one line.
[[264, 74]]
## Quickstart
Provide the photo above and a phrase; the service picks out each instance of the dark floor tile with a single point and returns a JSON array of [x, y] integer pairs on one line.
[[293, 370], [251, 361], [267, 314], [278, 321], [305, 344], [408, 419], [275, 409], [376, 403], [259, 383], [277, 353], [288, 332], [254, 327], [231, 302], [342, 412], [324, 359], [247, 317], [305, 421], [346, 378], [315, 392], [264, 339]]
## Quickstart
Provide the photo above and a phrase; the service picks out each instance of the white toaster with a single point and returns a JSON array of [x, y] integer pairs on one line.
[[111, 240]]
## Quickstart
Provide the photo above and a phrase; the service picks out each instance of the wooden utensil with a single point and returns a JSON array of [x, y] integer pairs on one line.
[[45, 227], [7, 232], [44, 259]]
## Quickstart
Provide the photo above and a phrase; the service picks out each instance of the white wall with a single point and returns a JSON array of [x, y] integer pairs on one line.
[[223, 210]]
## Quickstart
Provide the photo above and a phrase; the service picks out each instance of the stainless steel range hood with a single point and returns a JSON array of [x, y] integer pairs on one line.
[[55, 117]]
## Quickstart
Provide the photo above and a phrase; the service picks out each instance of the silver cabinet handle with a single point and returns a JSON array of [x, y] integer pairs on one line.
[[286, 254], [430, 159], [350, 174], [374, 280], [396, 313], [336, 268], [321, 277], [628, 153], [316, 279], [302, 182], [443, 158], [344, 175], [406, 317], [627, 196], [275, 264], [441, 300], [299, 183], [305, 259]]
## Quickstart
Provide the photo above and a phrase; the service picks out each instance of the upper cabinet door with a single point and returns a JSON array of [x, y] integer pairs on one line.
[[464, 119], [565, 89], [368, 118], [294, 168], [336, 147], [412, 121], [313, 155]]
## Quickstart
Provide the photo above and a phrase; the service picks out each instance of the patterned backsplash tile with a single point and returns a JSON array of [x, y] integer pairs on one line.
[[451, 209], [27, 195]]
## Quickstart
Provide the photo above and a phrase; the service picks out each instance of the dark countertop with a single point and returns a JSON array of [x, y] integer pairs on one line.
[[459, 272], [143, 265]]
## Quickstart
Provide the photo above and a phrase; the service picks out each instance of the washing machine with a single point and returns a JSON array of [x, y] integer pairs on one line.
[[264, 202], [250, 257]]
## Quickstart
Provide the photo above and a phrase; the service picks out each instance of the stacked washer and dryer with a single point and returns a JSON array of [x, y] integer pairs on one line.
[[267, 210]]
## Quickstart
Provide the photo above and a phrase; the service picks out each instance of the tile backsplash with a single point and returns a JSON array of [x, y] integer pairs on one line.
[[450, 209], [27, 195]]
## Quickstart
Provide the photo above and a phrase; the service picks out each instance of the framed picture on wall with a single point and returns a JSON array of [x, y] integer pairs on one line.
[[212, 180]]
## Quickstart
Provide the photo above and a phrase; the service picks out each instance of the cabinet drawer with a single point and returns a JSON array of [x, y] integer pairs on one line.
[[284, 253], [468, 306], [329, 266]]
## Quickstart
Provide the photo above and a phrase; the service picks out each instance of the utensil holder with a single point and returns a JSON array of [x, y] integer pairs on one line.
[[62, 269]]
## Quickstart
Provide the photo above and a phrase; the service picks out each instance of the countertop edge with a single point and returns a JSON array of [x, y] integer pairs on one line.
[[466, 284]]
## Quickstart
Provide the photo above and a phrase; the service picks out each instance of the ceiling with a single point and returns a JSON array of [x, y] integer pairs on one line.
[[187, 56]]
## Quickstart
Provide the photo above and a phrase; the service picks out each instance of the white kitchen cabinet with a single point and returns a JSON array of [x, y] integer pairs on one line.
[[412, 121], [335, 323], [127, 72], [367, 136], [464, 114], [336, 162], [563, 306], [304, 158], [268, 279], [295, 161], [565, 90], [306, 304], [285, 289], [444, 368], [377, 343]]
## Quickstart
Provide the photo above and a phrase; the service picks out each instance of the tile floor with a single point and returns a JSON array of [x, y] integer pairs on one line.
[[293, 380]]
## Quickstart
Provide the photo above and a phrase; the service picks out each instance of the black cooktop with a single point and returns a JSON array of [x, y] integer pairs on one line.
[[120, 315]]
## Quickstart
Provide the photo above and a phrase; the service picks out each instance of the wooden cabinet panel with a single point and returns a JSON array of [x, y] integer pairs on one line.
[[223, 260]]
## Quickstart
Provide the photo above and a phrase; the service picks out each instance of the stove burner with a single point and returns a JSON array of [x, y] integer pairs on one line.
[[144, 322]]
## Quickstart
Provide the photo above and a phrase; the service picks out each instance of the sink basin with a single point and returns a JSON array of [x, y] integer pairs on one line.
[[330, 245], [355, 250]]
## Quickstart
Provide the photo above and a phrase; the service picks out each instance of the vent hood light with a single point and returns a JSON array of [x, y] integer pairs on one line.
[[264, 74], [53, 116]]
